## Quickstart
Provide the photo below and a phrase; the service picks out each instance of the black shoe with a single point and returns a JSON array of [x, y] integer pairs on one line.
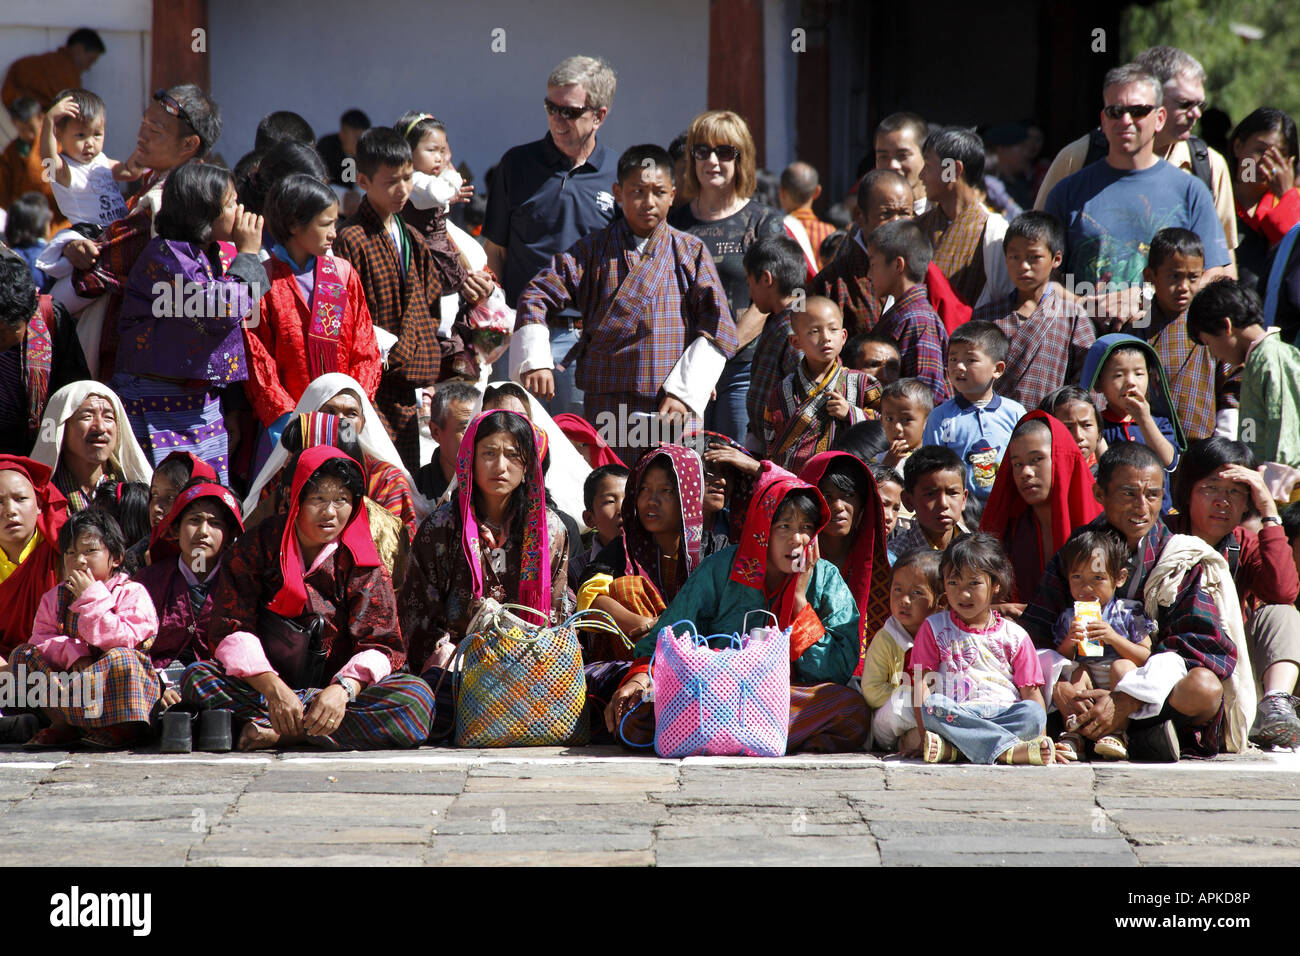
[[1157, 743], [1276, 724], [214, 731], [177, 732], [19, 729]]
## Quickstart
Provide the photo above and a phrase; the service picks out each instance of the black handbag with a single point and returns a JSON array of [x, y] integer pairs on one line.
[[293, 646]]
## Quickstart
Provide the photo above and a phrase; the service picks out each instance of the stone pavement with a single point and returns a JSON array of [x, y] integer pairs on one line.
[[601, 806]]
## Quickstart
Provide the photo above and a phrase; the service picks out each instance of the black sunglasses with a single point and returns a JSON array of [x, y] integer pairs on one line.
[[570, 113], [725, 153], [169, 104], [1187, 105], [1138, 112]]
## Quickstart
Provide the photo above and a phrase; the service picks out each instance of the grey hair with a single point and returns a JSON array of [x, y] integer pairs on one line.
[[1132, 73], [448, 394], [595, 75], [1168, 62]]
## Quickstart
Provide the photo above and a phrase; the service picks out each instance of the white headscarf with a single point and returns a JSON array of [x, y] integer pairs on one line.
[[127, 455], [374, 438]]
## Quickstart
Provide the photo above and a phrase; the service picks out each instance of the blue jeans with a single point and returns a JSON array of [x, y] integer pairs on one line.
[[982, 731], [568, 397], [727, 414]]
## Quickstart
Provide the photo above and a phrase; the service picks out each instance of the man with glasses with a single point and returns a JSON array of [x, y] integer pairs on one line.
[[544, 197], [1183, 80], [1112, 209]]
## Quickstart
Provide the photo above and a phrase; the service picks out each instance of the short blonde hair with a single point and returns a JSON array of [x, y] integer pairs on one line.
[[722, 128]]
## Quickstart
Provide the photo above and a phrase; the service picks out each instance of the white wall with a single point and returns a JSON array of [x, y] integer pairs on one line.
[[437, 57]]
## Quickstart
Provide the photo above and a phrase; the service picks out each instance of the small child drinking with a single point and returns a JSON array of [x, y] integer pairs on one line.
[[1112, 636], [988, 702], [83, 179], [915, 592], [977, 422]]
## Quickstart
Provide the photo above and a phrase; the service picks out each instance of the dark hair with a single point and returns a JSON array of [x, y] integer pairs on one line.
[[355, 119], [875, 337], [282, 126], [677, 148], [830, 246], [962, 145], [345, 470], [414, 125], [865, 440], [204, 116], [24, 108], [18, 296], [1203, 459], [448, 394], [928, 562], [848, 477], [192, 202], [90, 106], [274, 165], [1291, 521], [1223, 299], [1036, 226], [494, 394], [1269, 120], [927, 460], [176, 470], [973, 511], [1028, 425], [903, 120], [884, 474], [802, 501], [1126, 454], [1085, 542], [87, 39], [904, 239], [128, 503], [800, 181], [99, 523], [522, 432], [29, 220], [294, 202], [645, 156], [1127, 348], [597, 475], [381, 146], [911, 390], [982, 553], [874, 177], [985, 336], [1069, 394], [781, 256], [1174, 242]]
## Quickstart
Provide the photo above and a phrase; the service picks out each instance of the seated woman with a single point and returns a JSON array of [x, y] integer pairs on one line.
[[97, 622], [387, 482], [854, 538], [1216, 488], [314, 568], [635, 576], [32, 511], [495, 538], [185, 552], [392, 541], [781, 526], [1042, 492], [90, 441]]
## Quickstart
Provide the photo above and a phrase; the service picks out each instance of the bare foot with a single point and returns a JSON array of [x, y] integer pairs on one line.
[[909, 745], [257, 737]]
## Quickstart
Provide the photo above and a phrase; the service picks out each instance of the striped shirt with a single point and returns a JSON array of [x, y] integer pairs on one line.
[[922, 340]]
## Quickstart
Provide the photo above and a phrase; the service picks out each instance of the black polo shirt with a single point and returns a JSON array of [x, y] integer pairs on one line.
[[539, 205]]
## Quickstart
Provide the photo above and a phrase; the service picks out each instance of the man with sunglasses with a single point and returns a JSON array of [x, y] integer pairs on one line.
[[1183, 80], [1112, 209], [544, 197]]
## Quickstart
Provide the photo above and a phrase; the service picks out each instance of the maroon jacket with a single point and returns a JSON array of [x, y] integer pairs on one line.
[[182, 635]]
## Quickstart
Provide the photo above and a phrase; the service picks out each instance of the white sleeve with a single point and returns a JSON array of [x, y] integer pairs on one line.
[[51, 260], [530, 349], [429, 192], [696, 372], [997, 281], [1225, 423]]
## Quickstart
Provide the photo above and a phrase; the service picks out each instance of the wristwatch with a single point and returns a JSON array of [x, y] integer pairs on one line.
[[349, 687], [1271, 519]]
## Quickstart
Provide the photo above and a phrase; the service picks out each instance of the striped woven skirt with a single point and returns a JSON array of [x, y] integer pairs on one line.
[[168, 416], [119, 688], [393, 712]]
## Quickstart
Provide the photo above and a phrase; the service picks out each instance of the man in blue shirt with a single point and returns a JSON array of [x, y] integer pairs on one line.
[[1113, 208], [544, 197]]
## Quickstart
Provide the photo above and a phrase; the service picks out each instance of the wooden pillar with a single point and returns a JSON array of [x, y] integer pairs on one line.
[[813, 99], [177, 53], [736, 65]]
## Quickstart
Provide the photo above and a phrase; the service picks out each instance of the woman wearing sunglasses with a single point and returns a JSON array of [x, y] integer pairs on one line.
[[720, 179]]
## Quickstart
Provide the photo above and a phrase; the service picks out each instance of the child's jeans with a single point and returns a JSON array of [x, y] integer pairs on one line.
[[982, 731]]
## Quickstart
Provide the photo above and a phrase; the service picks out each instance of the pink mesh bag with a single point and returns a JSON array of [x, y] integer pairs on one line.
[[733, 702]]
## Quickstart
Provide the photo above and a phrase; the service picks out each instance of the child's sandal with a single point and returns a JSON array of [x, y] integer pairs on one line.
[[1070, 745], [937, 750], [1112, 747], [1033, 752]]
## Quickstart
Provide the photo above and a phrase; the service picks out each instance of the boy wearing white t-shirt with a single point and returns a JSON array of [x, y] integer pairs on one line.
[[83, 179]]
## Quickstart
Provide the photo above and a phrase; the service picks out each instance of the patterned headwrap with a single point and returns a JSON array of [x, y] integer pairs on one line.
[[21, 592], [639, 545], [164, 541], [535, 572]]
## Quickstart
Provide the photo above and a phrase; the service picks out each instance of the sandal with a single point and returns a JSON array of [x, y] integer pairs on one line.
[[54, 737], [110, 738], [1033, 752], [1070, 745], [1112, 747], [937, 750]]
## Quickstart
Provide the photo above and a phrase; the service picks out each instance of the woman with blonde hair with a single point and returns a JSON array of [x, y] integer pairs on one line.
[[721, 175]]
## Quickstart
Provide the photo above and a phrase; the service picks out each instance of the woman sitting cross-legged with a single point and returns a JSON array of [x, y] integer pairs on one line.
[[311, 569], [782, 521]]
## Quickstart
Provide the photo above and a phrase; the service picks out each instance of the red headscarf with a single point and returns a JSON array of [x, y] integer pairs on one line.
[[868, 561], [21, 592], [164, 542], [290, 600], [750, 567], [1071, 501], [580, 431], [198, 467], [638, 544]]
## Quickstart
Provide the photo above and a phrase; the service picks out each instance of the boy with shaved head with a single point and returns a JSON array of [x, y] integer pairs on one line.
[[799, 189]]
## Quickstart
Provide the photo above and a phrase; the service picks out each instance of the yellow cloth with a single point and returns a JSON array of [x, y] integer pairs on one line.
[[595, 586], [8, 567], [882, 668]]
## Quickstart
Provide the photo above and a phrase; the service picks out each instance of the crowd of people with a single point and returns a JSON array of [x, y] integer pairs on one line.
[[1019, 484]]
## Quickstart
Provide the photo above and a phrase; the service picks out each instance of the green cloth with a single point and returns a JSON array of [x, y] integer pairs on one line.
[[1270, 402], [715, 604]]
